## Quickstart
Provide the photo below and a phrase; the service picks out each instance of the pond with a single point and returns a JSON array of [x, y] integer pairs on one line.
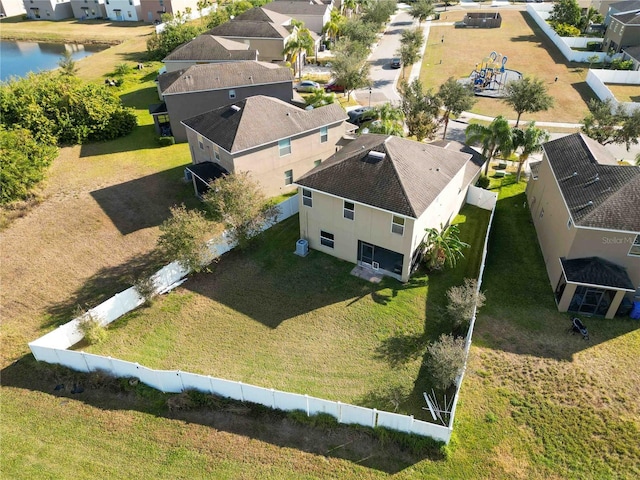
[[18, 58]]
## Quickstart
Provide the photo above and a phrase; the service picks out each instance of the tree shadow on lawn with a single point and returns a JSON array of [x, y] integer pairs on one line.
[[389, 452], [143, 137], [146, 201]]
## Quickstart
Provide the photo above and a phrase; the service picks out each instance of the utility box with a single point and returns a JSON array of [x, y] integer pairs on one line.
[[302, 248]]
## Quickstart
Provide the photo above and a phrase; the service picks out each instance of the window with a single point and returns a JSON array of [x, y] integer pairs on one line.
[[129, 13], [635, 248], [130, 2], [232, 94], [216, 155], [324, 134], [326, 239], [163, 119], [288, 177], [397, 225], [349, 210], [200, 142], [285, 147], [569, 223], [307, 198], [317, 162]]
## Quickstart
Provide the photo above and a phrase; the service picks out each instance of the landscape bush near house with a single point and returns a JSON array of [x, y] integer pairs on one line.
[[61, 109], [23, 163]]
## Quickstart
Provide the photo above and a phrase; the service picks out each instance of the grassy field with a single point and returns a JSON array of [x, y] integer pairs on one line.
[[528, 51], [625, 93], [273, 319]]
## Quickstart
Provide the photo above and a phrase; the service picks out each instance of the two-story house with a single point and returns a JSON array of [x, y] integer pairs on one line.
[[274, 141], [265, 31], [201, 88], [12, 8], [208, 49], [314, 15], [123, 10], [152, 10], [586, 212], [88, 9], [623, 31], [48, 9], [371, 202]]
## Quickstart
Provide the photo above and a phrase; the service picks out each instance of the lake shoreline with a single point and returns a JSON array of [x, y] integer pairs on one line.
[[60, 40]]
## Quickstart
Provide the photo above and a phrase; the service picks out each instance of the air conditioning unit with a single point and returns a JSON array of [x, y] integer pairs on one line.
[[375, 265], [187, 175], [302, 247]]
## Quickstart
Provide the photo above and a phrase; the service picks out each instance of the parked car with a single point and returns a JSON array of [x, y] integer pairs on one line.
[[306, 86], [361, 115], [396, 63], [332, 86]]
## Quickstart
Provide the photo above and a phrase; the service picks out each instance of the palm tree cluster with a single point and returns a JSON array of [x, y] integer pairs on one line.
[[301, 43]]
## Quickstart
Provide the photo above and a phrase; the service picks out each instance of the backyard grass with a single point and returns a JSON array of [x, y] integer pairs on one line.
[[624, 92], [528, 51], [270, 318]]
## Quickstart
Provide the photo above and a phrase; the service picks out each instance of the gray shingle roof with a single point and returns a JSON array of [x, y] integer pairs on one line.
[[249, 29], [261, 14], [625, 5], [633, 52], [293, 8], [211, 48], [406, 181], [599, 192], [260, 120], [215, 76], [631, 18], [596, 271], [473, 167]]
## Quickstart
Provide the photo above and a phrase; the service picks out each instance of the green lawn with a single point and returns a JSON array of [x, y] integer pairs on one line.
[[305, 325]]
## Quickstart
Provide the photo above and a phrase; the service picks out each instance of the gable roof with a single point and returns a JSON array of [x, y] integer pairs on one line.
[[629, 18], [249, 29], [216, 76], [598, 192], [293, 8], [262, 14], [406, 179], [473, 167], [260, 120], [210, 48], [625, 5], [633, 52]]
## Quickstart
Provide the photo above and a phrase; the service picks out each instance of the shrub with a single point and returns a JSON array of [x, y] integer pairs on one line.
[[619, 64], [146, 288], [123, 69], [594, 46], [483, 182], [462, 299], [445, 360], [92, 329], [166, 141], [566, 30]]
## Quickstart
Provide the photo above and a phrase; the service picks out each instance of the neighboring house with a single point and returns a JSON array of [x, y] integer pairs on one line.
[[201, 88], [87, 9], [607, 8], [622, 32], [273, 140], [123, 10], [586, 211], [314, 15], [152, 10], [264, 31], [48, 9], [633, 54], [371, 202], [11, 8], [208, 49]]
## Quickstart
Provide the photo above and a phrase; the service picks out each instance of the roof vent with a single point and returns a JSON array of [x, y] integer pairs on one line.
[[235, 108], [593, 180], [375, 157], [574, 174], [588, 204]]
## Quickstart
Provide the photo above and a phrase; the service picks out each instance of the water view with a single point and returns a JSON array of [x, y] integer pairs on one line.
[[19, 58]]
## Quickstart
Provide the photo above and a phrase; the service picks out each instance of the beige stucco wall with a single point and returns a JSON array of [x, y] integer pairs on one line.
[[557, 240], [94, 8], [269, 49], [187, 105], [370, 225], [49, 9], [265, 163]]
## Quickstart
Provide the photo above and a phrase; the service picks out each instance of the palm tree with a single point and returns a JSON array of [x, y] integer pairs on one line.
[[319, 98], [638, 159], [333, 27], [443, 245], [348, 6], [529, 140], [390, 121], [295, 46], [495, 138]]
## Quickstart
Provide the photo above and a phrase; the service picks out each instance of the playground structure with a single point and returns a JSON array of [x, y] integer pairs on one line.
[[490, 76]]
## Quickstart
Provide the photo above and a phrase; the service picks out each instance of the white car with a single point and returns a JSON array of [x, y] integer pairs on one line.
[[306, 86]]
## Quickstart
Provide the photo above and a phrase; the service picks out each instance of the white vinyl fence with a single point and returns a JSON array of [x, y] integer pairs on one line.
[[52, 348], [540, 12], [597, 79]]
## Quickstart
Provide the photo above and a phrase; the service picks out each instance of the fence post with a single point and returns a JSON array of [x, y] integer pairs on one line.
[[273, 399], [306, 397], [374, 419], [85, 361], [339, 411], [241, 392], [178, 373]]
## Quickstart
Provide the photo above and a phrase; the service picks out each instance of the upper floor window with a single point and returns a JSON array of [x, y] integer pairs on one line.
[[635, 248], [130, 2], [324, 134], [349, 210], [288, 177], [216, 155], [317, 162], [200, 142], [307, 198], [397, 225], [569, 223], [284, 146]]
